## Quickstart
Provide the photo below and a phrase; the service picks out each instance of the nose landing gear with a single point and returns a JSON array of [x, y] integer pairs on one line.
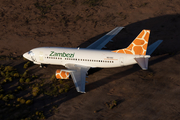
[[40, 66]]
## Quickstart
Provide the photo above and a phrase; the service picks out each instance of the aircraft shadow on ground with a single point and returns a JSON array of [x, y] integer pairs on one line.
[[165, 28]]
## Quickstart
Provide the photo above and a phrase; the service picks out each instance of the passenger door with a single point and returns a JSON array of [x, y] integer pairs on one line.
[[41, 56], [121, 61]]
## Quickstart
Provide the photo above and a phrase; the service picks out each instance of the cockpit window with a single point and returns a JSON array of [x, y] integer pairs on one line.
[[31, 53]]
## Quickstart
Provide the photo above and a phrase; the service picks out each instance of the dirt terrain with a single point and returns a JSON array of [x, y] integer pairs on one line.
[[135, 94]]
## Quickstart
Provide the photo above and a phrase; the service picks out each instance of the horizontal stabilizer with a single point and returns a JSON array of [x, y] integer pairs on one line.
[[153, 46], [143, 62]]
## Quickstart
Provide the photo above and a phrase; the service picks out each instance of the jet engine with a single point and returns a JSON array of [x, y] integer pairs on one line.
[[60, 74]]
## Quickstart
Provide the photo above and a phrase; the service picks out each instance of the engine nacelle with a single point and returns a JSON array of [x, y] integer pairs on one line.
[[62, 74]]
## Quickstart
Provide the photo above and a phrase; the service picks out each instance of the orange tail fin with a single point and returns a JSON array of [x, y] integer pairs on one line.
[[138, 46]]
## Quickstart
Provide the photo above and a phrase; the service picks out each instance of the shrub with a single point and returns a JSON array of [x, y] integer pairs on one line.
[[15, 90], [2, 73], [5, 98], [66, 90], [8, 68], [61, 81], [11, 96], [5, 80], [17, 105], [28, 118], [34, 76], [16, 75], [1, 67], [19, 88], [28, 80], [21, 80], [42, 116], [11, 73], [37, 112], [53, 78], [113, 104], [35, 91], [28, 102], [10, 79], [18, 99], [55, 89], [7, 74], [41, 84], [34, 94], [1, 96], [22, 101], [61, 91], [66, 86], [25, 74], [1, 90], [8, 104], [27, 65]]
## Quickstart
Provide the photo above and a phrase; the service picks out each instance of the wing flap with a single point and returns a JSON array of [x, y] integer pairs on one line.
[[100, 43]]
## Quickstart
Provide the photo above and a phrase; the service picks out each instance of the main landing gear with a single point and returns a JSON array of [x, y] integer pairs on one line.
[[42, 66]]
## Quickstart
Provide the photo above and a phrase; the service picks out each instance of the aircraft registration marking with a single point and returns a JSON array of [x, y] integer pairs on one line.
[[109, 59]]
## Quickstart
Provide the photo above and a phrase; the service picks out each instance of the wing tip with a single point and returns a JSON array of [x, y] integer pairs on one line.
[[81, 91]]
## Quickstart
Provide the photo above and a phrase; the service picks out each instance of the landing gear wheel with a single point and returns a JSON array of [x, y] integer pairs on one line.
[[42, 66]]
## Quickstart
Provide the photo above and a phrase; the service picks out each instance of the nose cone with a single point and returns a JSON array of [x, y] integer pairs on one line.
[[27, 56]]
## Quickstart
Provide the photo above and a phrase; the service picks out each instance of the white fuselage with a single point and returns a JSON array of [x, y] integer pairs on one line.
[[80, 56]]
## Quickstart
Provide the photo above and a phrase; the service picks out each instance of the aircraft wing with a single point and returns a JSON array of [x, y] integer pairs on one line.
[[100, 43], [78, 73]]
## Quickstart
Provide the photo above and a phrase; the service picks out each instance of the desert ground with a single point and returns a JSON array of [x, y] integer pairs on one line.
[[127, 93]]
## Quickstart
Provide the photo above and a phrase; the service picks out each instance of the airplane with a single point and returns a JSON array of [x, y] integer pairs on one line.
[[79, 60]]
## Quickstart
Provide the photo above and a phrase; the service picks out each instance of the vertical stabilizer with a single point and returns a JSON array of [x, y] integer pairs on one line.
[[138, 46]]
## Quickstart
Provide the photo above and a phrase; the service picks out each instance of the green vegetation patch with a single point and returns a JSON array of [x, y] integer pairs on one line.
[[7, 74], [111, 104], [28, 64], [57, 87], [19, 91], [35, 91], [28, 102]]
